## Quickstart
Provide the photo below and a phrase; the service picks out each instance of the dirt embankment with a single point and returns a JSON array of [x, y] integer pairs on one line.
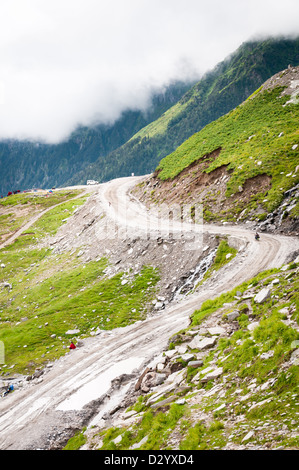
[[194, 186]]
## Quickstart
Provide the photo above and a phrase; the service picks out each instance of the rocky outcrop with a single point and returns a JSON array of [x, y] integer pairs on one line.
[[193, 373], [281, 220]]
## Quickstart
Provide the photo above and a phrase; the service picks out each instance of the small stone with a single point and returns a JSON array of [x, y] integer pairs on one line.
[[195, 364], [118, 439], [248, 436], [181, 401], [139, 444]]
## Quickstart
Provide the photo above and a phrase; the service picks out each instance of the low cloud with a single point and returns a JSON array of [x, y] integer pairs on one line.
[[65, 63]]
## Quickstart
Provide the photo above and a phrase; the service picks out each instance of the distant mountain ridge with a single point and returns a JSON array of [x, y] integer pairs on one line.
[[25, 164], [137, 141], [217, 93]]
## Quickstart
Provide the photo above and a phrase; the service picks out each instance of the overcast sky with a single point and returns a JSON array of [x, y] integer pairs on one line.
[[70, 62]]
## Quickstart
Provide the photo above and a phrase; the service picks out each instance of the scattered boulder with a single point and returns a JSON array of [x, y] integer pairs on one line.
[[151, 379], [195, 364], [194, 344], [216, 330], [187, 357], [253, 325], [262, 296], [294, 359], [170, 353], [72, 332], [207, 343], [214, 374], [139, 444], [248, 436], [164, 402], [182, 349], [138, 383], [7, 284], [233, 315]]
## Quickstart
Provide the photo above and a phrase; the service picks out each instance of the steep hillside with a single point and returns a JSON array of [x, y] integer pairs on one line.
[[242, 167], [219, 91], [25, 164]]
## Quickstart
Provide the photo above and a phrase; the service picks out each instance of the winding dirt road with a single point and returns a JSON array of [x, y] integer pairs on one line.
[[74, 391]]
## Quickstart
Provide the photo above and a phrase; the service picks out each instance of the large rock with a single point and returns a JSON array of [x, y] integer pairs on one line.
[[138, 383], [187, 357], [195, 364], [214, 374], [207, 343], [164, 402], [262, 295], [216, 330], [233, 315], [151, 379], [195, 342], [72, 332]]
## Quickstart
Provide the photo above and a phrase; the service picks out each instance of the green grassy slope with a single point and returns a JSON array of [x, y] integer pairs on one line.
[[259, 137], [44, 294], [219, 91]]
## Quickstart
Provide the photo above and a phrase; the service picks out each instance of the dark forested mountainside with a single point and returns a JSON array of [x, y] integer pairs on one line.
[[218, 92], [25, 164]]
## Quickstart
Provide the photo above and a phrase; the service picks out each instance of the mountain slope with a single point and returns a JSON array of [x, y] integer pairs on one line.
[[242, 165], [219, 91]]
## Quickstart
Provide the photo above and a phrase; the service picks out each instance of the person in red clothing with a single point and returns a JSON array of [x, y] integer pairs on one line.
[[72, 346]]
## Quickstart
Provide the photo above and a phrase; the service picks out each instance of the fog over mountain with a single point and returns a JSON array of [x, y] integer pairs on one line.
[[69, 63]]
